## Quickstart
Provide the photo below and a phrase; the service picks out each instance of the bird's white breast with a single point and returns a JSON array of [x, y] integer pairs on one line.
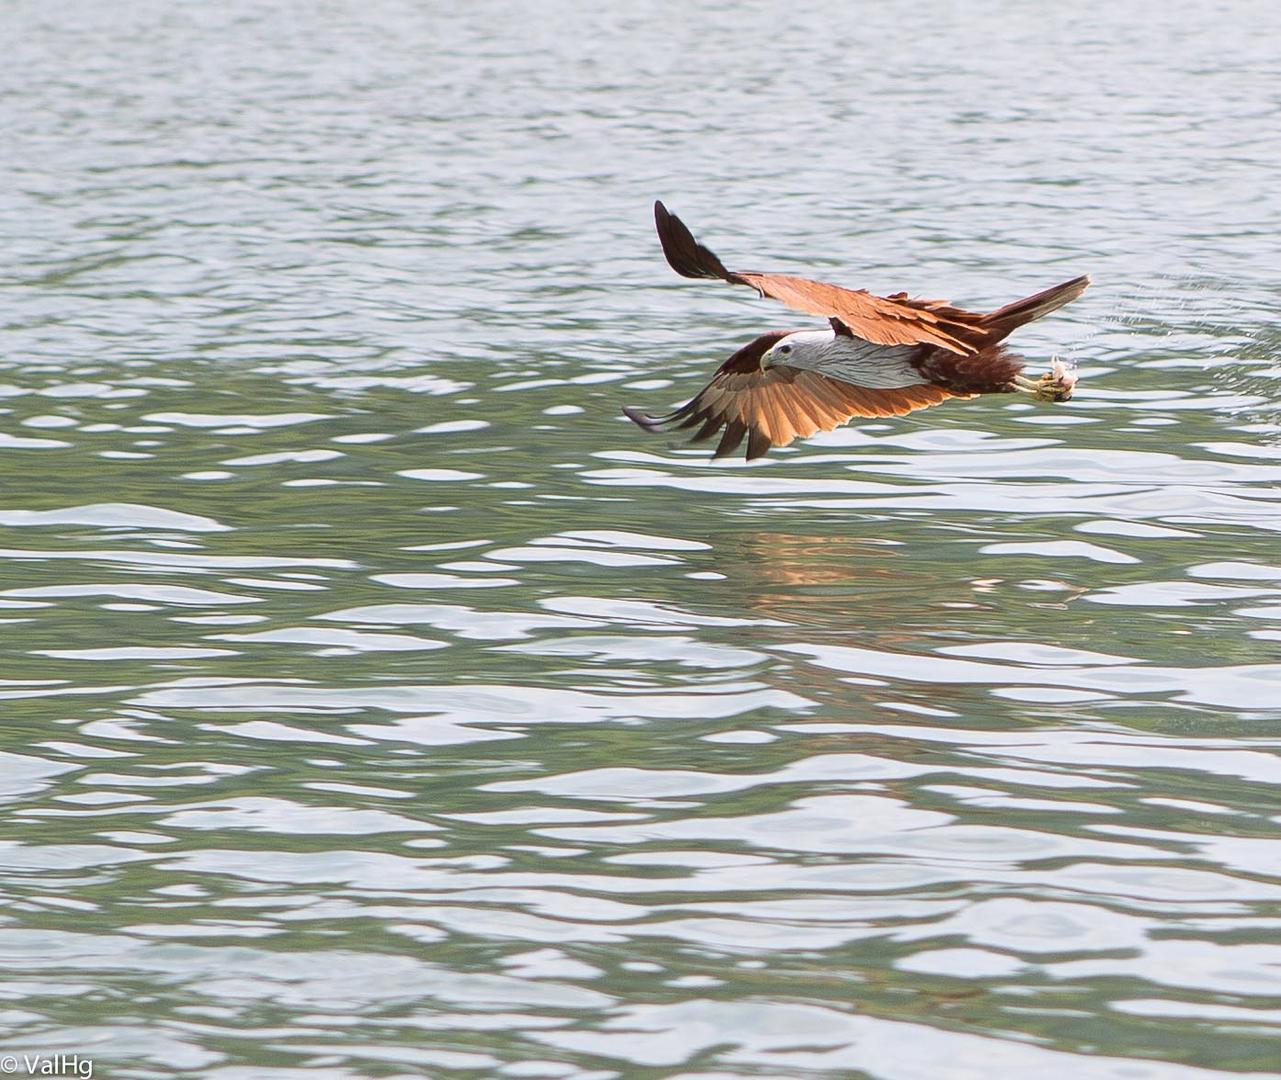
[[855, 361]]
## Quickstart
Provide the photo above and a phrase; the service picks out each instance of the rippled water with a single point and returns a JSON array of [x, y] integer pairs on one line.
[[379, 702]]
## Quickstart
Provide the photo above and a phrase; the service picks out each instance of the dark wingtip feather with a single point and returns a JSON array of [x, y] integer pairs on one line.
[[642, 420], [684, 254], [757, 443], [711, 425], [734, 432]]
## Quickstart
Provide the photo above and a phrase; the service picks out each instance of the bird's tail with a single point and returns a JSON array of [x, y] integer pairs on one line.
[[1007, 319]]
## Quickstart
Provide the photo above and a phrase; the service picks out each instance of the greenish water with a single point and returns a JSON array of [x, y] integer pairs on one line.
[[378, 702]]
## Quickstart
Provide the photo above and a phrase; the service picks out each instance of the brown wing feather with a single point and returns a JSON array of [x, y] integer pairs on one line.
[[879, 319], [884, 320], [773, 406]]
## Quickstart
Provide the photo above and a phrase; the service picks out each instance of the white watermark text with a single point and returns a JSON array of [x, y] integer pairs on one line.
[[46, 1065]]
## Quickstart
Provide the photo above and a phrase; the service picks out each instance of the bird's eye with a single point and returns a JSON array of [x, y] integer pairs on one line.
[[783, 350]]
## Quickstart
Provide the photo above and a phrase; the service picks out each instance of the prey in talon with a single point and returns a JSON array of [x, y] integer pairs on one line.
[[1055, 385], [878, 356]]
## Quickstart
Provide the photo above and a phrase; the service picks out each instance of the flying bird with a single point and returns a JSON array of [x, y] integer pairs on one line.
[[879, 356]]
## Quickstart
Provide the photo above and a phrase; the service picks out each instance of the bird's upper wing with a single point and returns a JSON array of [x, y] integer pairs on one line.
[[885, 320], [772, 406]]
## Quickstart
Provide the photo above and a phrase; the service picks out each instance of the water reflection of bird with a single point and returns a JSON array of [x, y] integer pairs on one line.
[[788, 559], [880, 356], [832, 581]]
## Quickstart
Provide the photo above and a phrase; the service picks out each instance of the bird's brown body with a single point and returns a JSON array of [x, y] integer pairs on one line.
[[882, 356]]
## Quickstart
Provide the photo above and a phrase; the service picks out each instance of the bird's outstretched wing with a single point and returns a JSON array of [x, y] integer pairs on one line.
[[772, 406], [884, 320]]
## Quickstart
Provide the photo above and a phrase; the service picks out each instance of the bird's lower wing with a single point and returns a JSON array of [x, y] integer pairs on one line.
[[773, 406], [884, 320]]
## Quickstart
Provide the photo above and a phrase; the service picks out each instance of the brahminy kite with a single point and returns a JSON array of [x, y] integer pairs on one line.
[[880, 356]]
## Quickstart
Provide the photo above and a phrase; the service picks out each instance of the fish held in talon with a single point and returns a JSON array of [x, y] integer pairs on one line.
[[878, 356], [1060, 380]]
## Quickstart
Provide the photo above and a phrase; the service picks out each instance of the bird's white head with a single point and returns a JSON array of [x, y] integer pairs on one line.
[[803, 349]]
